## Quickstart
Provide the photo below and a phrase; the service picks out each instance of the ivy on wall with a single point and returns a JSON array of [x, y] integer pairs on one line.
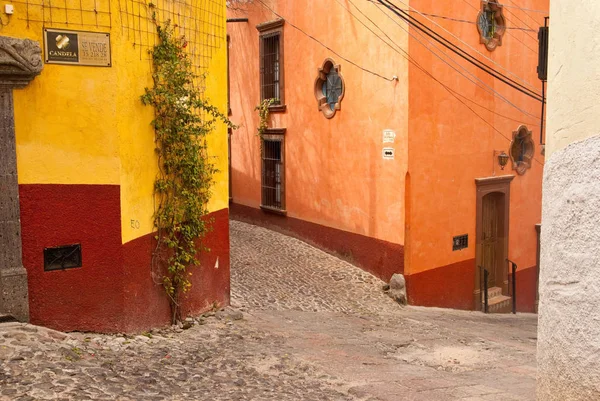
[[183, 119]]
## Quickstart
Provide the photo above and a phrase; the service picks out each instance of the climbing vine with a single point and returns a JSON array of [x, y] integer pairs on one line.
[[183, 119], [263, 117]]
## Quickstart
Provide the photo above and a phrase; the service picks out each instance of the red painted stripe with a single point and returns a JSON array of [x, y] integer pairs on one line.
[[113, 291]]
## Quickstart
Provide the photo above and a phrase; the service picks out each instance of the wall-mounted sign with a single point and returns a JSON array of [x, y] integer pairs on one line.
[[389, 136], [388, 153], [77, 48]]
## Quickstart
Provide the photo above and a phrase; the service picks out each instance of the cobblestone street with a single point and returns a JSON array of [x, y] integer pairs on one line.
[[303, 325]]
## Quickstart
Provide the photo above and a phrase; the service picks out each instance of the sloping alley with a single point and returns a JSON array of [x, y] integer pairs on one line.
[[303, 325]]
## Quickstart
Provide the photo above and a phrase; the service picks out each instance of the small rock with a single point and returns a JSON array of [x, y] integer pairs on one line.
[[397, 290], [236, 315], [142, 339], [57, 335], [187, 325]]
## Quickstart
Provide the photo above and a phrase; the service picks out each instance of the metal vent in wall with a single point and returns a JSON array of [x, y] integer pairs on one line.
[[460, 242], [62, 257]]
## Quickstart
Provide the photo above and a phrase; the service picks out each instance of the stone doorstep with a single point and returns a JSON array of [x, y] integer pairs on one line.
[[500, 304], [494, 292]]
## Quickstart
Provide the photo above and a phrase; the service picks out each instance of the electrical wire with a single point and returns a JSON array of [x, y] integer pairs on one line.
[[508, 33], [325, 46], [465, 43], [445, 17], [524, 23], [524, 11], [451, 91], [457, 50], [486, 87], [469, 46], [416, 64]]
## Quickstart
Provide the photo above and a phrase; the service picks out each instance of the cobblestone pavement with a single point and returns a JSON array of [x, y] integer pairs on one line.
[[304, 326]]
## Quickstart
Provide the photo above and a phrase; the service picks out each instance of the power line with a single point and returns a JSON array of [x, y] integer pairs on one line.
[[325, 46], [459, 51], [527, 9], [455, 94], [466, 44], [524, 11], [452, 92], [411, 60], [508, 33], [524, 23], [485, 86], [445, 17]]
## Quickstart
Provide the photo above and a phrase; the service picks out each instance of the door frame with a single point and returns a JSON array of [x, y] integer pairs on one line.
[[486, 186]]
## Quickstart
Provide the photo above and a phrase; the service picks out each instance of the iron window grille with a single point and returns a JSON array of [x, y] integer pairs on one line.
[[460, 242], [273, 172], [270, 68], [271, 63], [62, 257]]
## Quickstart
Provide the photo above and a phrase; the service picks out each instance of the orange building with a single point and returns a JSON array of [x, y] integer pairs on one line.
[[385, 137]]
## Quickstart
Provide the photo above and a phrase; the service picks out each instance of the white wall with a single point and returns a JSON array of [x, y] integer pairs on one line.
[[569, 310]]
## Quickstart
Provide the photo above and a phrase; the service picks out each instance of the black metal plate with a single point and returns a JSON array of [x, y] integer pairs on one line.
[[62, 257], [460, 242]]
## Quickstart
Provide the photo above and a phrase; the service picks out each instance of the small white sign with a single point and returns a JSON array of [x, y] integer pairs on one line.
[[388, 153], [389, 136]]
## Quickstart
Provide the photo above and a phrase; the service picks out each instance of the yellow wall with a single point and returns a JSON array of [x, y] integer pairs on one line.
[[86, 125], [64, 127]]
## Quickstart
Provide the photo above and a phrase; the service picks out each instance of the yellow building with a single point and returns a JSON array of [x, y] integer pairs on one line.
[[86, 160]]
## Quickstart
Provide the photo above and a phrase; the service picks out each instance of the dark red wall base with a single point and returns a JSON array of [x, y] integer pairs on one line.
[[378, 257], [114, 290], [526, 289], [452, 286], [449, 286], [145, 301]]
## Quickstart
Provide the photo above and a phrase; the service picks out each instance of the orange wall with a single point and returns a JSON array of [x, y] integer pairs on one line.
[[335, 174], [450, 146]]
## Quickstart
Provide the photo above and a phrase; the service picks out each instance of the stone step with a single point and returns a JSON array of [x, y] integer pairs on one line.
[[500, 304], [494, 292]]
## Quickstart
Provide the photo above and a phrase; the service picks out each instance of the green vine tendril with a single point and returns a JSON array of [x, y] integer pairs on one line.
[[183, 119]]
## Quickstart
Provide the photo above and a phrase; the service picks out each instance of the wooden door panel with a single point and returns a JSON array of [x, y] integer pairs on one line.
[[491, 240]]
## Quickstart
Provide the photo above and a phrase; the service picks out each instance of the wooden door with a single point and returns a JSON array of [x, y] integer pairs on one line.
[[491, 241], [492, 215]]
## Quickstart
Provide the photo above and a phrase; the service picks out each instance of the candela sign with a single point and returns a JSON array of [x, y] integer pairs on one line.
[[77, 48]]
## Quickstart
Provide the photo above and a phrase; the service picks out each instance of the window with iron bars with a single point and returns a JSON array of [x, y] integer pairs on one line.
[[270, 67], [273, 173]]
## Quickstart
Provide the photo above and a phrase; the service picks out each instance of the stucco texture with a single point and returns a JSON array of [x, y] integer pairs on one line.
[[569, 313], [569, 322], [457, 131], [573, 107], [87, 125], [335, 175], [87, 165]]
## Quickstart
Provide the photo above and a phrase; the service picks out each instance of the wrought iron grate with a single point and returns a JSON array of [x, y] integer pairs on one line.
[[460, 242], [62, 257], [270, 67], [272, 174]]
